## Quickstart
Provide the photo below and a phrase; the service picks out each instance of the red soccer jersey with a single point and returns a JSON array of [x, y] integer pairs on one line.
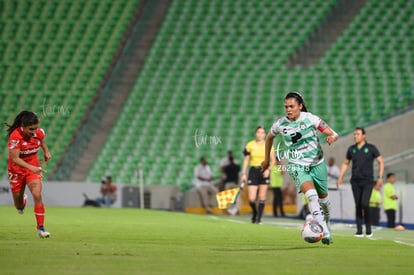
[[28, 148]]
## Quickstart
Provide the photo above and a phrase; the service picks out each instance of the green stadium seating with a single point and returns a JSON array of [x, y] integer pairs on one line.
[[216, 67], [55, 53], [213, 67], [219, 67]]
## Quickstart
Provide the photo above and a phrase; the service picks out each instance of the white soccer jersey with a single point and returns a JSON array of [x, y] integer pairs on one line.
[[301, 139]]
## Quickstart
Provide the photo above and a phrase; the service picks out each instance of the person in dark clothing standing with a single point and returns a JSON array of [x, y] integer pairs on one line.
[[231, 171], [362, 154], [276, 183]]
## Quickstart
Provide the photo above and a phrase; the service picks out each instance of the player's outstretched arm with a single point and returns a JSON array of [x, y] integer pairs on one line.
[[268, 148], [46, 152], [244, 169], [331, 135]]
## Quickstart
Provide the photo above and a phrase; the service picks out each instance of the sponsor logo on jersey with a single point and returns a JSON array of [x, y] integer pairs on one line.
[[31, 151], [13, 144]]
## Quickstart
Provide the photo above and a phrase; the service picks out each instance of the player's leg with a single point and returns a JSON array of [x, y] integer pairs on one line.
[[18, 187], [20, 200], [252, 188], [303, 182], [262, 199], [303, 176], [316, 210], [312, 198], [35, 187], [319, 176], [252, 194]]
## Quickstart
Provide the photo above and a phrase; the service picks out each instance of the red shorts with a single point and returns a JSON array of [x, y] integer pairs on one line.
[[19, 180]]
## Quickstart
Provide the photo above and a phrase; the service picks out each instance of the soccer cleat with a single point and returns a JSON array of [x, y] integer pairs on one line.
[[327, 236], [254, 218], [359, 235], [369, 235], [21, 211], [42, 233]]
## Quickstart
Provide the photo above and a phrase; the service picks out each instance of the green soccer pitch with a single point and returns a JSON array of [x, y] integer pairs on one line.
[[132, 241]]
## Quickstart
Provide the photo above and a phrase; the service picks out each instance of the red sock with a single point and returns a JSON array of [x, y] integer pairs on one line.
[[39, 211]]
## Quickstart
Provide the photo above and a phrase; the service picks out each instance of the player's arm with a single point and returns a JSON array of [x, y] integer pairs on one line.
[[380, 161], [331, 135], [344, 167], [266, 172], [273, 161], [15, 156], [46, 152], [268, 148], [246, 160]]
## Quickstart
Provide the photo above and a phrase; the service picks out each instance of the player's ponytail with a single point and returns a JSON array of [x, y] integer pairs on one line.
[[298, 98], [24, 118]]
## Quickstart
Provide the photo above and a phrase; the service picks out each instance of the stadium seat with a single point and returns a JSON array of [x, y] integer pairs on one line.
[[47, 48]]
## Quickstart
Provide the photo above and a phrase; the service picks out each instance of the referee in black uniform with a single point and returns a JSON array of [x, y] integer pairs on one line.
[[362, 155]]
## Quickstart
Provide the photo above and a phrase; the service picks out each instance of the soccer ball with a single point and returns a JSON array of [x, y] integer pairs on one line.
[[312, 231]]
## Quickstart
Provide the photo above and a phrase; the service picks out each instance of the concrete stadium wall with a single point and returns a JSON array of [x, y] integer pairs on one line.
[[391, 137], [343, 206], [70, 194]]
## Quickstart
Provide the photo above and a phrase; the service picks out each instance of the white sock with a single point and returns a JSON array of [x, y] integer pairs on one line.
[[326, 208], [315, 208]]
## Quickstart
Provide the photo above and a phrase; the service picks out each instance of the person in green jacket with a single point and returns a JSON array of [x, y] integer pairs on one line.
[[375, 204], [276, 183], [390, 200]]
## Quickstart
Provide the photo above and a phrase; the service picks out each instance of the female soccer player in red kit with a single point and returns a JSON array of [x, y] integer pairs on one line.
[[25, 140]]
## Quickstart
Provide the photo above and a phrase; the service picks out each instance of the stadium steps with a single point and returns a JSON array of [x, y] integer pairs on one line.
[[198, 74], [336, 21], [93, 133], [218, 67], [54, 56]]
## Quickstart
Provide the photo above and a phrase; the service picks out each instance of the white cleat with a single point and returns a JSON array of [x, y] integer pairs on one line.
[[21, 211], [43, 234]]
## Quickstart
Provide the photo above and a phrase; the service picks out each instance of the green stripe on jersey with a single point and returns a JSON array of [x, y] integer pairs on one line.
[[300, 138]]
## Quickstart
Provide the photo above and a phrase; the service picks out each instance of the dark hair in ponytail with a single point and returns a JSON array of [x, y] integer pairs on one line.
[[24, 118], [298, 98]]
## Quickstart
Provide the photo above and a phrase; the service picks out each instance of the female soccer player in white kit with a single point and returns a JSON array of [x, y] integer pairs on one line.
[[306, 164]]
